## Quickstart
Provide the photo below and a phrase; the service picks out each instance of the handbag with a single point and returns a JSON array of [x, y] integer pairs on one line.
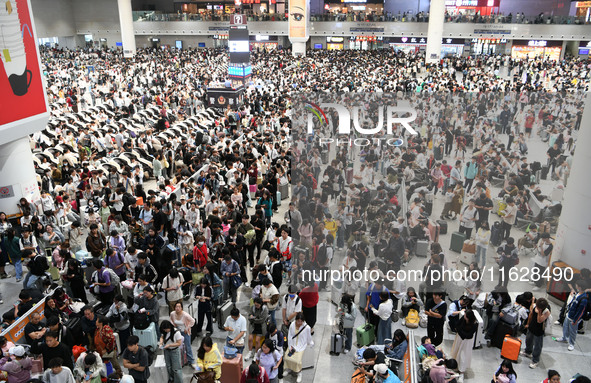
[[230, 352], [206, 377], [394, 316], [236, 281]]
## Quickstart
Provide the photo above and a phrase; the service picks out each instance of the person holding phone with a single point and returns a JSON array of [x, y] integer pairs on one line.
[[171, 341]]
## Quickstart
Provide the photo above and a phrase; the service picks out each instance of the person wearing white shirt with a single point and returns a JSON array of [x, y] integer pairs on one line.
[[292, 305], [468, 218], [298, 339], [384, 312], [236, 326]]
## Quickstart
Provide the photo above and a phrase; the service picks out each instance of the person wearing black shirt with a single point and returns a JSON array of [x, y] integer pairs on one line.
[[34, 332], [64, 335], [462, 347], [449, 141], [159, 218], [436, 308], [408, 157], [26, 303], [52, 348], [553, 154], [484, 206]]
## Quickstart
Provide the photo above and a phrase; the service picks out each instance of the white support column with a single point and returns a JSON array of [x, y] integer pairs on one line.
[[126, 22], [17, 175], [573, 238], [435, 31]]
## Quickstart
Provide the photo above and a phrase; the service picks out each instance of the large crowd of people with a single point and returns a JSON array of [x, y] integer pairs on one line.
[[153, 202]]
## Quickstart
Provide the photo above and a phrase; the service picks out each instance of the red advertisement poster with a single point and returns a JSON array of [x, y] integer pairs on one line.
[[21, 85]]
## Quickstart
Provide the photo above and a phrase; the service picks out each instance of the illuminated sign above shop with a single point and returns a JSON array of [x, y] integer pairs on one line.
[[537, 43]]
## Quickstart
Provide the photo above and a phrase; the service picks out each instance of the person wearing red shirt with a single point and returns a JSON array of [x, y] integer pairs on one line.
[[309, 296]]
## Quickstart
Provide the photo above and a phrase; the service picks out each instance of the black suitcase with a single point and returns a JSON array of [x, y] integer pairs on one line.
[[442, 227], [101, 309], [545, 170], [74, 325], [501, 331], [495, 234]]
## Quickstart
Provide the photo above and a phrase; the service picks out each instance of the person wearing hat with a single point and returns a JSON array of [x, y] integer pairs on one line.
[[16, 365], [453, 313], [384, 374]]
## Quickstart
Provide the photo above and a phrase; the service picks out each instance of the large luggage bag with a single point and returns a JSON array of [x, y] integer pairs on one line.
[[442, 227], [434, 231], [148, 337], [231, 369], [337, 344], [278, 197], [422, 248], [479, 335], [284, 189], [365, 335], [511, 348], [223, 313], [495, 234], [457, 241], [308, 358], [503, 329]]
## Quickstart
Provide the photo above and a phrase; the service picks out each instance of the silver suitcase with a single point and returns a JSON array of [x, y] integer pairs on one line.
[[223, 313], [422, 248], [479, 335]]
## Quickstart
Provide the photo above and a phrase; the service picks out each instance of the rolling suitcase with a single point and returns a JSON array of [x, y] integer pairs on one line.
[[422, 248], [74, 326], [148, 337], [337, 344], [496, 202], [365, 335], [479, 335], [511, 348], [495, 234], [231, 369], [434, 230], [503, 329], [278, 196], [457, 241], [308, 358], [223, 313], [284, 189], [442, 227]]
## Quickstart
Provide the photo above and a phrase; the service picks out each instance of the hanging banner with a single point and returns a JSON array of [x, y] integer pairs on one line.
[[21, 84], [298, 19]]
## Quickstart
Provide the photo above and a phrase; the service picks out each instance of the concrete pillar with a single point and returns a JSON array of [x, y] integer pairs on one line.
[[298, 48], [573, 238], [435, 31], [17, 175], [126, 22]]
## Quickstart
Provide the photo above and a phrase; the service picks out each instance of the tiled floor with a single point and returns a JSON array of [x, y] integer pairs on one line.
[[338, 369]]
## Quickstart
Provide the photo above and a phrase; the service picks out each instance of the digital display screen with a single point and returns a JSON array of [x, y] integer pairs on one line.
[[118, 44], [240, 71], [201, 45], [583, 51], [317, 46], [239, 46], [179, 44]]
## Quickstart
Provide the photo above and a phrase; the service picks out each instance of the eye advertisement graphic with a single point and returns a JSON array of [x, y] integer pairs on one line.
[[298, 18], [21, 86]]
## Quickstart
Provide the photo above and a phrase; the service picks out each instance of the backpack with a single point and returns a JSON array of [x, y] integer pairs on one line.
[[151, 355], [115, 280], [412, 319], [321, 255]]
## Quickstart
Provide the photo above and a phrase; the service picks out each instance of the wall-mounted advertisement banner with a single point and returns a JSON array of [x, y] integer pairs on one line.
[[298, 20], [21, 85]]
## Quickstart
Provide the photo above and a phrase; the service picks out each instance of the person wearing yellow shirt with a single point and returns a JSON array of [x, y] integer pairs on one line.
[[331, 225]]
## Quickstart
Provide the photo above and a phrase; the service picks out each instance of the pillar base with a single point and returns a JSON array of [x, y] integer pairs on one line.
[[298, 49]]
